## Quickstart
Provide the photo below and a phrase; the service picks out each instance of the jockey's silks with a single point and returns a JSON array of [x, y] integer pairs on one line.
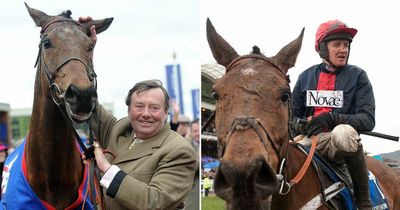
[[16, 194], [326, 81]]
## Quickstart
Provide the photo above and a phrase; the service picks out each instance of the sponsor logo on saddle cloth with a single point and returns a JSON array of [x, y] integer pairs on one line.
[[378, 199], [324, 98]]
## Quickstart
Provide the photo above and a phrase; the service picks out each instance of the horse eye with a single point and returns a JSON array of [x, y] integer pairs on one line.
[[90, 49], [46, 43], [214, 95], [285, 97]]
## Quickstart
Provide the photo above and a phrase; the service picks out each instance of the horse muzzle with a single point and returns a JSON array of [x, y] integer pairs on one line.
[[256, 180], [79, 103]]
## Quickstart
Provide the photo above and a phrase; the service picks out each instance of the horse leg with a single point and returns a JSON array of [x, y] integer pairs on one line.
[[388, 180]]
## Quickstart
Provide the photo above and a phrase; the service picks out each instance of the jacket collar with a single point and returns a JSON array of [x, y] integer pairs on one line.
[[329, 69]]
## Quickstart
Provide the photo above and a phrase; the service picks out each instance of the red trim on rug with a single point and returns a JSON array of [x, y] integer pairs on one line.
[[48, 206]]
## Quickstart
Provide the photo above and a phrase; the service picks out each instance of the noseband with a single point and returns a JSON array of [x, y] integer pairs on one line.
[[243, 123]]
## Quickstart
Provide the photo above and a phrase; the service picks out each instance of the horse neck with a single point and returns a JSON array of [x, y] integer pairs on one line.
[[303, 191], [52, 161]]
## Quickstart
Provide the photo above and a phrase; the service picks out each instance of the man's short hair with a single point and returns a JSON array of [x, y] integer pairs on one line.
[[146, 85]]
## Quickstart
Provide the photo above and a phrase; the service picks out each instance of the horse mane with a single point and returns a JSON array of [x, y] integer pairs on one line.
[[66, 14]]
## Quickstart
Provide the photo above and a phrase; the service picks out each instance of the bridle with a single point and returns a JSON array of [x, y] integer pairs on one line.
[[56, 94], [242, 123], [245, 122], [59, 99]]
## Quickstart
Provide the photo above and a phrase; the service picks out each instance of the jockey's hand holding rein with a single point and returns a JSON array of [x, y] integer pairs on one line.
[[321, 123]]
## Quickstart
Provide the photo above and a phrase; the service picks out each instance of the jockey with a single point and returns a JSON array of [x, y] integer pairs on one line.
[[334, 100]]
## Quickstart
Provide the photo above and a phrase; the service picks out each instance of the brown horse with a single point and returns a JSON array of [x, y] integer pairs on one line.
[[252, 123], [65, 91]]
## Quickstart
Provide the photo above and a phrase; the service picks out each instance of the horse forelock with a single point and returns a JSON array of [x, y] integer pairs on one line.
[[256, 50], [66, 14]]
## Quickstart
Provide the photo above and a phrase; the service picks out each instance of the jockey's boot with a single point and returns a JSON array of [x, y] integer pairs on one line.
[[357, 167]]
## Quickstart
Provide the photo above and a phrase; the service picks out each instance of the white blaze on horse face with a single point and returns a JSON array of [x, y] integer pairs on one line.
[[65, 33], [248, 71], [67, 30]]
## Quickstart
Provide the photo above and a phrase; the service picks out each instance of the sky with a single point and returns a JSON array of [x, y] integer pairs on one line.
[[272, 24], [138, 44]]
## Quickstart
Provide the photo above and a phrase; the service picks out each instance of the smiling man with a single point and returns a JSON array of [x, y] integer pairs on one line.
[[335, 101], [153, 166]]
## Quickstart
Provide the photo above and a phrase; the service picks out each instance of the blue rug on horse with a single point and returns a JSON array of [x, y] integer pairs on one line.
[[378, 199], [16, 194]]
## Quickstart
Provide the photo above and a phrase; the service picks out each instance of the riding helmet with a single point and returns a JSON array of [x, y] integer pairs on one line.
[[332, 30]]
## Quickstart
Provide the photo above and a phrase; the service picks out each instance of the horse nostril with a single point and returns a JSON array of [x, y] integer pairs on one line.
[[224, 180], [90, 92], [74, 95], [265, 178], [94, 97], [71, 95]]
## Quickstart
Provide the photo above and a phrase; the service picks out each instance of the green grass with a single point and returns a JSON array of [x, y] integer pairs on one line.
[[212, 203]]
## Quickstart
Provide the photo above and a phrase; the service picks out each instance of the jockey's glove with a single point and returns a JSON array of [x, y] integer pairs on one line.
[[322, 123]]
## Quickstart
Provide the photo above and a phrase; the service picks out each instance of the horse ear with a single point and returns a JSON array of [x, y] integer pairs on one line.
[[101, 25], [221, 49], [286, 57], [40, 18]]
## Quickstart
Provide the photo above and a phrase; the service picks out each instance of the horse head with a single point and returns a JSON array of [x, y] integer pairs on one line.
[[251, 119], [65, 62]]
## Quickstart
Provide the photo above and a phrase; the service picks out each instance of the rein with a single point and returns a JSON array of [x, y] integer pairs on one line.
[[243, 123], [59, 99]]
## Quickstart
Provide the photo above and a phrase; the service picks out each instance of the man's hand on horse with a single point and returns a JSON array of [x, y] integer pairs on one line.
[[101, 159], [93, 36]]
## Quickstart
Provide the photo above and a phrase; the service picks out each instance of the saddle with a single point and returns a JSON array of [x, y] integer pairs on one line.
[[336, 185]]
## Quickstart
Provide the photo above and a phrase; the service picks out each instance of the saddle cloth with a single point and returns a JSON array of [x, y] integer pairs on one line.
[[16, 194], [377, 197]]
